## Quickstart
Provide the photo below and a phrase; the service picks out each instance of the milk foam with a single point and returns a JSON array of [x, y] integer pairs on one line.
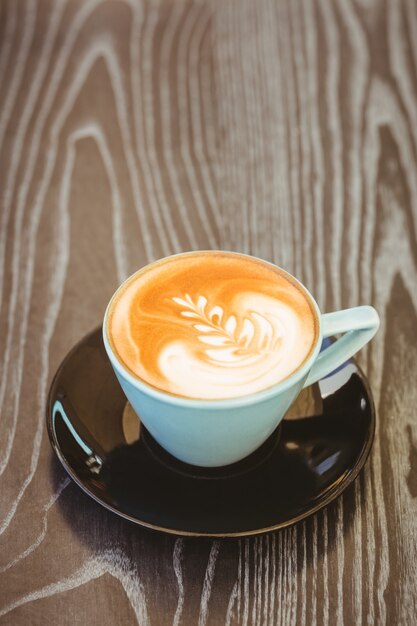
[[211, 326]]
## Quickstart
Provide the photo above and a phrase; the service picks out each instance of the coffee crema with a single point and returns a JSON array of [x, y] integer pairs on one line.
[[211, 325]]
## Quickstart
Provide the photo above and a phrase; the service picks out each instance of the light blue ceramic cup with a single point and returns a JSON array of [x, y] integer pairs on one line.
[[212, 433]]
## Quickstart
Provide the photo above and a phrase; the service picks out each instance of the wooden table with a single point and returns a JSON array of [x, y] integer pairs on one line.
[[133, 130]]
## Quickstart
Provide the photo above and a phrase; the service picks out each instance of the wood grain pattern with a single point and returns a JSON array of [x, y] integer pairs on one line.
[[130, 130]]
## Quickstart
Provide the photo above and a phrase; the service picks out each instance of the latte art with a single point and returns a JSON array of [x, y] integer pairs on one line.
[[256, 337], [211, 325]]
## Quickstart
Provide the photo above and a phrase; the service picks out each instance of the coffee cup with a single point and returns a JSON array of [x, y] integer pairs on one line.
[[211, 349]]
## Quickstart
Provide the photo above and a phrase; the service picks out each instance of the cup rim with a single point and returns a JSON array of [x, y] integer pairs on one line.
[[235, 402]]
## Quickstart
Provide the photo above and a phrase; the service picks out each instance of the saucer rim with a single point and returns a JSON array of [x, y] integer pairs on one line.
[[333, 493]]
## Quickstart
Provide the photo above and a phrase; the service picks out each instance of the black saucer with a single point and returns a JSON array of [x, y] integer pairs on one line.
[[316, 452]]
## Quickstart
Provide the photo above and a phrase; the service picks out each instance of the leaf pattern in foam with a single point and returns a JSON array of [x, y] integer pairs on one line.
[[229, 341]]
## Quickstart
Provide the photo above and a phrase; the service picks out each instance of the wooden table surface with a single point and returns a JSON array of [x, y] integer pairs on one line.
[[130, 130]]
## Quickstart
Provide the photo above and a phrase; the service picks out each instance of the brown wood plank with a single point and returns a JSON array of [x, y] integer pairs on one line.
[[132, 130]]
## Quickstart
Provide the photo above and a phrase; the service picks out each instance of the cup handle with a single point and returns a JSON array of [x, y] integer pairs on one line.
[[359, 325]]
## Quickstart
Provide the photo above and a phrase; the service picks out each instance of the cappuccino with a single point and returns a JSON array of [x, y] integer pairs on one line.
[[211, 325]]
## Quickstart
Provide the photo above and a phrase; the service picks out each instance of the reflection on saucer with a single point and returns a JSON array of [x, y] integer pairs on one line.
[[308, 404], [130, 424]]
